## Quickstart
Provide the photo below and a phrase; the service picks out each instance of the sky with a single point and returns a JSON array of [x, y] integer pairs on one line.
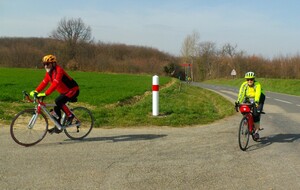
[[268, 28]]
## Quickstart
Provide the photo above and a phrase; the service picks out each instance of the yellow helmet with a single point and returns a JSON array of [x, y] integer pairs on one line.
[[249, 75], [49, 59]]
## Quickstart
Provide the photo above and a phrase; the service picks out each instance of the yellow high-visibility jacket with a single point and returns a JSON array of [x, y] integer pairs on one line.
[[247, 91]]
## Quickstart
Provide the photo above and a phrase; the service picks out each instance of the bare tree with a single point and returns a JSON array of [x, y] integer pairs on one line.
[[190, 45], [229, 50], [207, 53], [72, 31], [189, 51]]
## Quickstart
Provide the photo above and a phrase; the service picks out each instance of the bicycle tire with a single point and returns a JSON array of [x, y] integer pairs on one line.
[[25, 134], [86, 119], [244, 134]]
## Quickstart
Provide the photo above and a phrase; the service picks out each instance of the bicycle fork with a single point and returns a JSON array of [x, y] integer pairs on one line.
[[250, 122], [32, 120], [34, 117]]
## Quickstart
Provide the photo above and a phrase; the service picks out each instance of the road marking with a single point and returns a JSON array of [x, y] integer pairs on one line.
[[279, 100], [229, 92], [282, 101]]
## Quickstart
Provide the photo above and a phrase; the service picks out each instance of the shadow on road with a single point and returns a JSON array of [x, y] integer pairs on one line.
[[121, 138], [279, 138]]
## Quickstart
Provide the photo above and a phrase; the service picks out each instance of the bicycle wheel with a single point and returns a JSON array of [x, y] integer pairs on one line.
[[85, 119], [243, 134], [27, 128]]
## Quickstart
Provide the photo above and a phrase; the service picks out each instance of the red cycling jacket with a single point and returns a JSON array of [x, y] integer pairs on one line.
[[60, 81]]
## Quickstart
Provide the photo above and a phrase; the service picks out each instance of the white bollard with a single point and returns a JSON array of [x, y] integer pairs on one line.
[[155, 95]]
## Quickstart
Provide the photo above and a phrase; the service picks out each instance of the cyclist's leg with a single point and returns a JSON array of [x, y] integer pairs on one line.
[[256, 120], [258, 112], [59, 101], [257, 126], [70, 96], [261, 102]]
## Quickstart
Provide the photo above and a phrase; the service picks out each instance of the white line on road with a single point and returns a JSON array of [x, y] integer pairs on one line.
[[229, 92], [282, 101]]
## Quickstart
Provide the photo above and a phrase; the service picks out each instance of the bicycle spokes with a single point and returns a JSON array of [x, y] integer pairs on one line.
[[244, 129], [82, 123], [28, 127], [243, 135]]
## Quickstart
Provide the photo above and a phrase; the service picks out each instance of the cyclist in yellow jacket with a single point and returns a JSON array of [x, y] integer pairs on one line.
[[251, 90]]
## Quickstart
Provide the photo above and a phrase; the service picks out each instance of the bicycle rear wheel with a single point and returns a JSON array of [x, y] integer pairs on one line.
[[85, 119], [27, 128], [243, 134]]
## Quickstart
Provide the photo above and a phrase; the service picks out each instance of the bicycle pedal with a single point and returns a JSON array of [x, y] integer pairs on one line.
[[54, 130]]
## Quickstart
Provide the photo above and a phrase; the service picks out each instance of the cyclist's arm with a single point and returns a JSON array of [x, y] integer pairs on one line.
[[241, 94], [56, 81], [43, 84], [257, 92]]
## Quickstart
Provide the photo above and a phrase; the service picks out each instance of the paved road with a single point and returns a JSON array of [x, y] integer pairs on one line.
[[199, 157]]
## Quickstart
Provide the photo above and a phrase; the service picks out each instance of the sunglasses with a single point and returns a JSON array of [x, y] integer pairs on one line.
[[250, 79], [47, 64]]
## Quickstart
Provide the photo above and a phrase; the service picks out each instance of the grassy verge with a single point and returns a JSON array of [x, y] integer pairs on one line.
[[180, 105]]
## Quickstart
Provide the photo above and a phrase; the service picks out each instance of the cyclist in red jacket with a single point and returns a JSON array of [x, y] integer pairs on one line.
[[62, 83]]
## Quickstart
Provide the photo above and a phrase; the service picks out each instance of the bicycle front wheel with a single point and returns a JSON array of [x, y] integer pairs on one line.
[[244, 134], [28, 128], [85, 121]]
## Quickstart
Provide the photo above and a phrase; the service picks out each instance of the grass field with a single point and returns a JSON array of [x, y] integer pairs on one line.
[[119, 100], [96, 88]]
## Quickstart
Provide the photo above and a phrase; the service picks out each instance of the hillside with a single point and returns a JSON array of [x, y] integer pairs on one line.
[[207, 63], [101, 57]]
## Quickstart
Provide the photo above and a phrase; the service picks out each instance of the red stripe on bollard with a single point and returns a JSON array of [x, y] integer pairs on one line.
[[155, 87]]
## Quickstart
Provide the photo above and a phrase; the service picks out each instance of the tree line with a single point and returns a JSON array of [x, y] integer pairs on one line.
[[100, 57], [213, 64], [75, 49], [210, 62]]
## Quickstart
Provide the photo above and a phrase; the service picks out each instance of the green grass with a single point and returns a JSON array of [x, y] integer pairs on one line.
[[95, 88], [119, 100], [180, 105], [286, 86]]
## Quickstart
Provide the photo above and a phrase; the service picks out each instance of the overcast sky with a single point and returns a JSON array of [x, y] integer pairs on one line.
[[268, 28]]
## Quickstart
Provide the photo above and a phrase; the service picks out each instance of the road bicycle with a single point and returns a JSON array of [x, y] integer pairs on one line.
[[30, 126], [246, 127]]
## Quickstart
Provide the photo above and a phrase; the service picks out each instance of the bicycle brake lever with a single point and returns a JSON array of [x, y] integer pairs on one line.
[[25, 94], [236, 107]]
